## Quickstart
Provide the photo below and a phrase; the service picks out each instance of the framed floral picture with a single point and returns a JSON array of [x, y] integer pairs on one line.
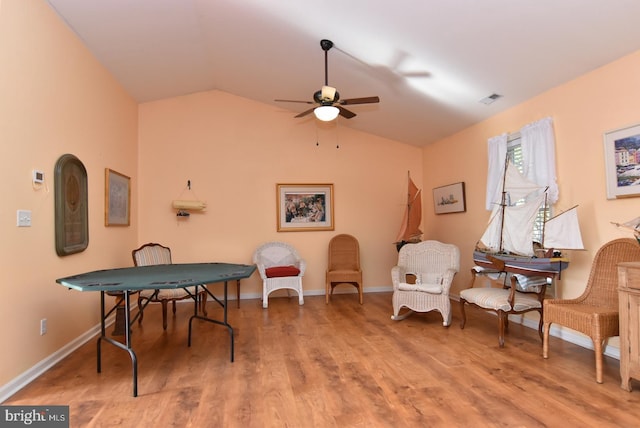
[[304, 207]]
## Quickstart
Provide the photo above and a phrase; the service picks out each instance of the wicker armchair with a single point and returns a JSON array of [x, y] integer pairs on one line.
[[422, 279], [156, 254], [344, 265], [595, 312], [280, 267]]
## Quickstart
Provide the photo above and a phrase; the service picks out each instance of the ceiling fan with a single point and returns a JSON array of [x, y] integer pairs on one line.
[[329, 104]]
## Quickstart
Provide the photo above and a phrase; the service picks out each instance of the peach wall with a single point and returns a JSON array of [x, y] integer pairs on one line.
[[234, 151], [56, 99], [582, 110]]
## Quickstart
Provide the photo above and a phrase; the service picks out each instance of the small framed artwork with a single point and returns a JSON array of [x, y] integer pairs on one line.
[[449, 199], [304, 207], [71, 205], [622, 162], [117, 198]]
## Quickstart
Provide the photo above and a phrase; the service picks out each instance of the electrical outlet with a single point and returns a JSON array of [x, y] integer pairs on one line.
[[43, 326]]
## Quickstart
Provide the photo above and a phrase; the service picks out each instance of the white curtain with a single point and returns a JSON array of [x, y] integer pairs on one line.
[[497, 153], [538, 155]]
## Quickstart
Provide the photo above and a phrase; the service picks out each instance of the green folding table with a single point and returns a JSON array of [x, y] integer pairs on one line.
[[133, 279]]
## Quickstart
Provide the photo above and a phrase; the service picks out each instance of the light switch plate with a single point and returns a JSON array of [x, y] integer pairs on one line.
[[24, 218]]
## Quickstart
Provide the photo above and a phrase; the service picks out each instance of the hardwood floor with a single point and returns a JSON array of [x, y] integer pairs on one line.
[[336, 365]]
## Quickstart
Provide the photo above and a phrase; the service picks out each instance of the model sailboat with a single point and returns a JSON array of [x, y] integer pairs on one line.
[[410, 229], [632, 225], [508, 245]]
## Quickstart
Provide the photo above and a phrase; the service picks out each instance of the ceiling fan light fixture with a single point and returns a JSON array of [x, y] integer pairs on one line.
[[326, 113]]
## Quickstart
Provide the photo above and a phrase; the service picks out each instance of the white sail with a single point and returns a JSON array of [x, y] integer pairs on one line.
[[514, 233], [492, 237], [633, 224], [563, 231], [517, 233], [517, 186]]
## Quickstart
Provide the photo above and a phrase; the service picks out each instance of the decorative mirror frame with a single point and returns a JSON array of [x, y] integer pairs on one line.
[[71, 205]]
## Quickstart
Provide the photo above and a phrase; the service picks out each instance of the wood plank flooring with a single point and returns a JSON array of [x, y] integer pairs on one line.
[[336, 365]]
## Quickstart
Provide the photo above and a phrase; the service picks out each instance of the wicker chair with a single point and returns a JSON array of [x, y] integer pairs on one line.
[[280, 267], [595, 312], [422, 279], [156, 254], [344, 265]]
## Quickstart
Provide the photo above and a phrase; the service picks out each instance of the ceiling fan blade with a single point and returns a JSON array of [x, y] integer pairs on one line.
[[347, 114], [304, 113], [365, 100], [294, 101]]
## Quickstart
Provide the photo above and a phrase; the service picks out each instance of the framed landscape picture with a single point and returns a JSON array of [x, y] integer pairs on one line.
[[449, 199], [622, 162], [304, 207]]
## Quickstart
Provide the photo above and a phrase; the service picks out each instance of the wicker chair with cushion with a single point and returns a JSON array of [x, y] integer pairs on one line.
[[156, 254], [422, 279], [344, 264], [595, 312], [280, 267]]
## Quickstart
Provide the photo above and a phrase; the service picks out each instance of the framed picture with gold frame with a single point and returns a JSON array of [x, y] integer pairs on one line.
[[304, 207], [71, 206], [117, 198]]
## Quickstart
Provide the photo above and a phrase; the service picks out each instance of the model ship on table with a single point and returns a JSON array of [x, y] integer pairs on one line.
[[508, 245]]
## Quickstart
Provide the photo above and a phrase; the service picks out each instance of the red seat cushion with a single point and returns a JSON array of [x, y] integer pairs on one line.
[[278, 271]]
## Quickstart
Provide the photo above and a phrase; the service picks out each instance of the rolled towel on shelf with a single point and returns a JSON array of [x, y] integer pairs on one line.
[[189, 205]]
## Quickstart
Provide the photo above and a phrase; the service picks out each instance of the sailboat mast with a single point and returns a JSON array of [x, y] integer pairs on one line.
[[409, 201], [503, 202], [544, 216]]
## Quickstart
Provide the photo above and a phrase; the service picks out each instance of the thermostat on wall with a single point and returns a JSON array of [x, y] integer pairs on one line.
[[38, 176]]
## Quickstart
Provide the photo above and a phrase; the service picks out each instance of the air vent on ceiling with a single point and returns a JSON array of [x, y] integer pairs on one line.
[[490, 99]]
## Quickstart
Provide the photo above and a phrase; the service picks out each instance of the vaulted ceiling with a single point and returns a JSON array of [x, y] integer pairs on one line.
[[429, 61]]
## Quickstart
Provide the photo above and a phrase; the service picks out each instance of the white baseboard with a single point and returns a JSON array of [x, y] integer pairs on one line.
[[27, 377], [563, 333], [570, 336]]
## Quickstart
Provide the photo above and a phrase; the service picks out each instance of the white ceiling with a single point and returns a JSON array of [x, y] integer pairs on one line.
[[429, 61]]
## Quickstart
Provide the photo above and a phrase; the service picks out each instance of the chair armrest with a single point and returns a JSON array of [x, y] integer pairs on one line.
[[302, 265], [512, 292], [262, 270], [398, 274], [447, 280]]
